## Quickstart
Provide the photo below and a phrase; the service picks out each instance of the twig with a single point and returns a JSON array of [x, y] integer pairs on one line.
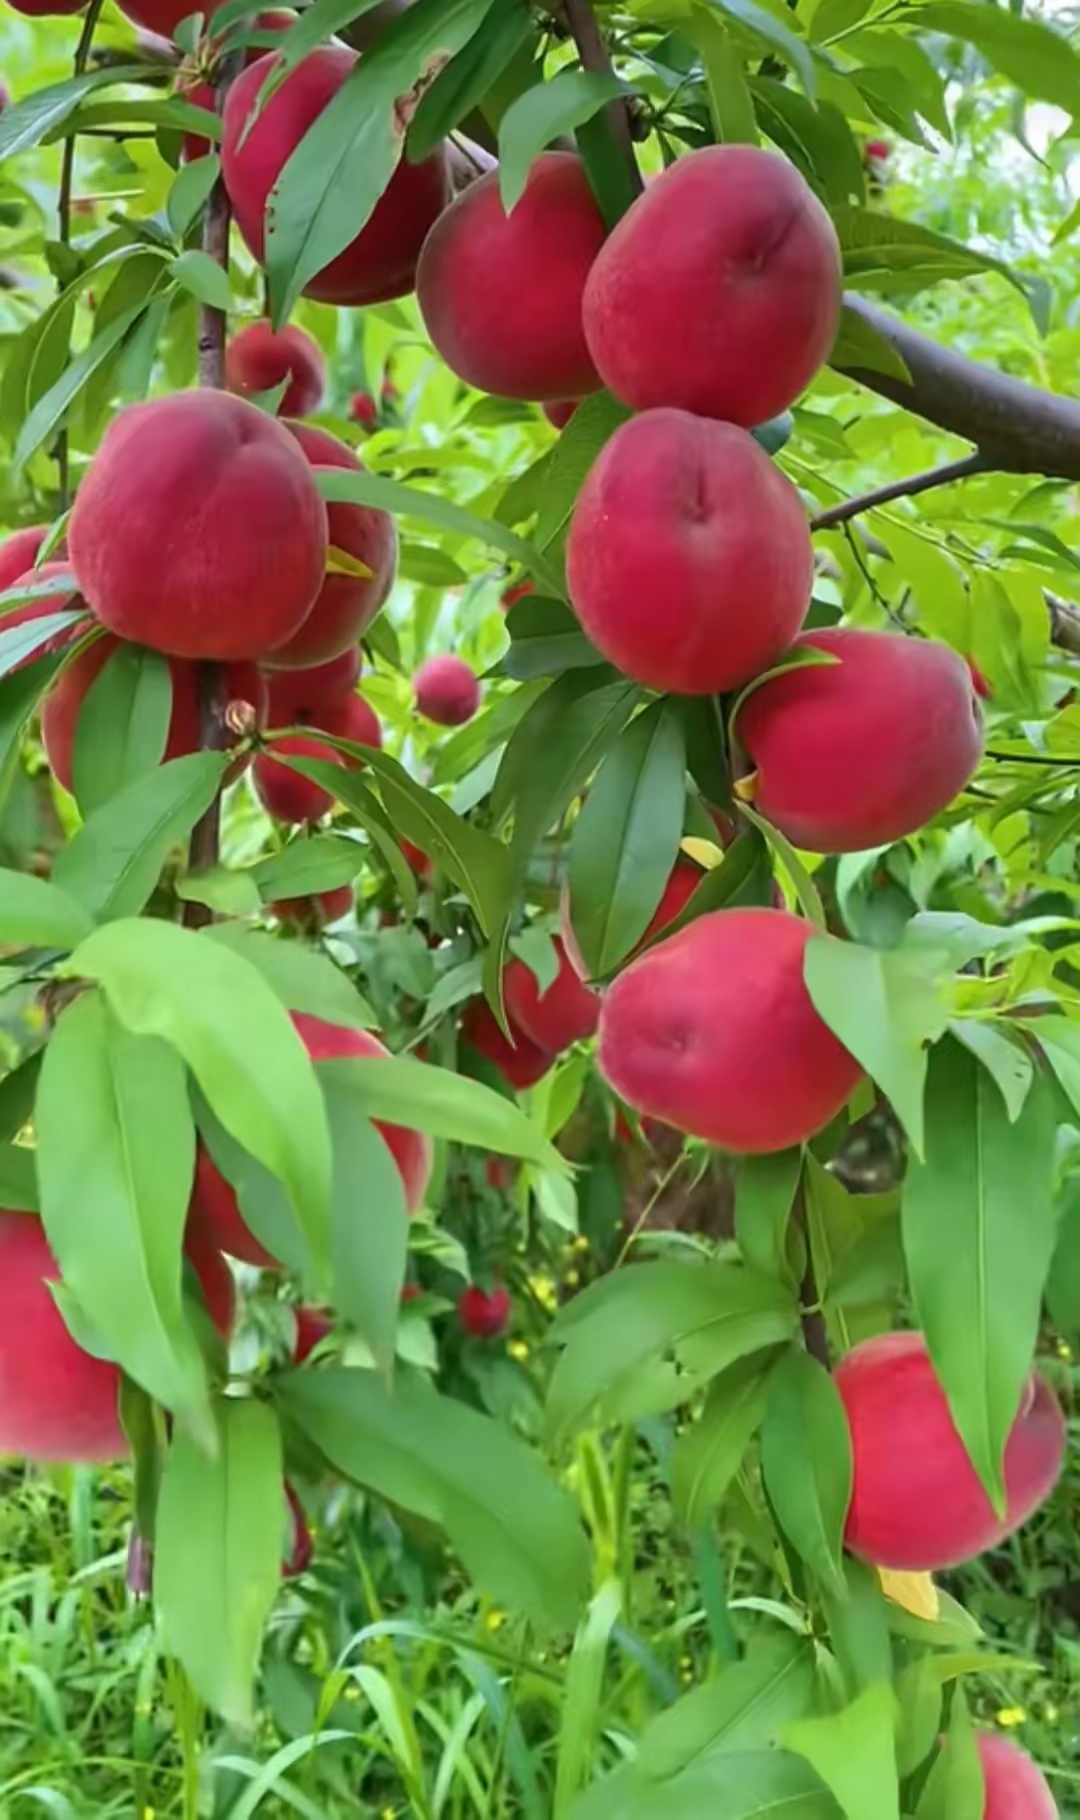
[[1064, 623], [594, 54], [815, 1335], [1016, 428], [63, 211], [213, 734], [942, 476]]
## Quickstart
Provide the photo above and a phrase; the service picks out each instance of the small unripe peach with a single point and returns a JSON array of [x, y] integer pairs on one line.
[[259, 358], [689, 558], [447, 691], [863, 751], [719, 290], [501, 294], [917, 1503], [714, 1032]]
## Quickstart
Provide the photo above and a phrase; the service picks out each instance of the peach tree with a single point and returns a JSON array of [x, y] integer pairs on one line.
[[763, 782]]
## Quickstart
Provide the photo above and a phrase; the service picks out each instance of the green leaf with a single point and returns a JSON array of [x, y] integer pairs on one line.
[[190, 192], [854, 1753], [582, 1697], [1063, 1283], [805, 889], [1059, 1040], [515, 1529], [204, 278], [546, 639], [448, 1105], [329, 187], [955, 1788], [744, 1708], [737, 1785], [1002, 1056], [123, 725], [217, 1567], [626, 839], [18, 1177], [764, 1192], [20, 694], [50, 410], [37, 914], [367, 489], [20, 642], [17, 1091], [26, 122], [710, 1315], [264, 1204], [730, 100], [979, 1232], [544, 113], [860, 347], [554, 750], [707, 1456], [303, 978], [236, 1038], [763, 24], [114, 862], [592, 425], [806, 1462], [884, 1010], [468, 77], [370, 1237], [318, 862], [858, 1620], [883, 251], [116, 1159], [1041, 62]]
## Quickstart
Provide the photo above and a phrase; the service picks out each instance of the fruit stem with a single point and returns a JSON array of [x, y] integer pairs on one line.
[[593, 51], [942, 476], [205, 847], [815, 1335], [63, 213]]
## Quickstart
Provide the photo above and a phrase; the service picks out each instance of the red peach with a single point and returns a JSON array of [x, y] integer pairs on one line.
[[420, 864], [521, 1062], [363, 409], [878, 148], [520, 591], [689, 559], [317, 910], [1016, 1788], [18, 554], [380, 262], [287, 794], [501, 294], [412, 1151], [719, 291], [304, 695], [346, 604], [257, 360], [62, 706], [447, 691], [714, 1032], [864, 751], [198, 529], [301, 1546], [559, 413], [917, 1503], [484, 1314], [201, 94], [565, 1012], [213, 1273]]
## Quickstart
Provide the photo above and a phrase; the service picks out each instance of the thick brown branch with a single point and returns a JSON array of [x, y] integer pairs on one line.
[[899, 489], [1015, 427]]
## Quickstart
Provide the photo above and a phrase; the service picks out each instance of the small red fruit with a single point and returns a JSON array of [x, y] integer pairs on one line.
[[447, 691], [564, 1013], [484, 1314], [364, 410]]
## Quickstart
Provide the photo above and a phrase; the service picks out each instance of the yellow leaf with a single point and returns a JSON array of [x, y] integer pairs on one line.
[[706, 852], [915, 1593], [745, 788], [339, 562]]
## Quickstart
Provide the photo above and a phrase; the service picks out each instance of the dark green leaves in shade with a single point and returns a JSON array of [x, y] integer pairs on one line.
[[369, 1225], [238, 1040], [708, 1455], [514, 1528], [123, 725], [554, 750], [979, 1231], [469, 76], [764, 1192], [619, 1333], [116, 1157], [806, 1462], [626, 838], [219, 1542]]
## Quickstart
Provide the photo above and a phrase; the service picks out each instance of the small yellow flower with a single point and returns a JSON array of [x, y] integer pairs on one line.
[[494, 1620], [572, 1279], [519, 1350], [387, 1814], [581, 1243], [352, 1692], [1065, 1351], [1011, 1716], [543, 1288], [1051, 1714]]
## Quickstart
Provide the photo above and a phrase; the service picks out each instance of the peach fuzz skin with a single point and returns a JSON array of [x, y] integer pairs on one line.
[[864, 750], [58, 1402], [346, 604], [565, 1012], [917, 1504], [447, 691], [198, 529], [713, 1031], [258, 359], [380, 263], [412, 1151], [689, 558], [719, 290], [1015, 1787], [501, 294]]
